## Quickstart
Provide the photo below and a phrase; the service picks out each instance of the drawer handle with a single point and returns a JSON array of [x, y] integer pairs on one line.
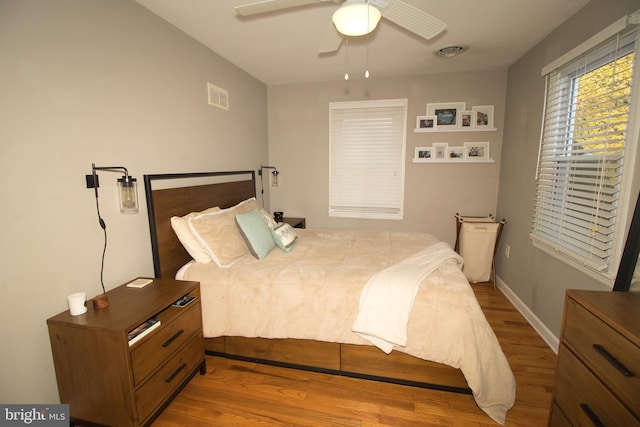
[[176, 372], [592, 415], [168, 342], [615, 362]]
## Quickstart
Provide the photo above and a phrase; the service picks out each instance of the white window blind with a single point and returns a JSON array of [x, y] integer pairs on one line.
[[367, 150], [581, 164]]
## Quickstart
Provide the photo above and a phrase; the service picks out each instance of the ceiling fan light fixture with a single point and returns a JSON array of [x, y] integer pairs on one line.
[[450, 51], [356, 18]]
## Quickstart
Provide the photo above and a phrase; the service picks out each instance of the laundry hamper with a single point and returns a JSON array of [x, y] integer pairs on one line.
[[477, 241]]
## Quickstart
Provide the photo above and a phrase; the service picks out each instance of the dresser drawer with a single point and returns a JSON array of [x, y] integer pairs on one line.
[[150, 353], [169, 377], [583, 398], [557, 418], [600, 346]]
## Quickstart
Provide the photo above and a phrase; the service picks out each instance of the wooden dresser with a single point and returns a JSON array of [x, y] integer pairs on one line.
[[598, 375], [106, 381]]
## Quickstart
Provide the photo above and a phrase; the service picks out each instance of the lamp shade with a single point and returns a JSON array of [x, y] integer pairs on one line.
[[128, 194], [356, 18]]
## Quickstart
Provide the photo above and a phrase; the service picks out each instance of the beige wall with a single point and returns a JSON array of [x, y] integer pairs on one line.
[[85, 81], [538, 279], [299, 147]]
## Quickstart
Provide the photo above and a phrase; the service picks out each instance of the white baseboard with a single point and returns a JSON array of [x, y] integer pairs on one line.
[[552, 341]]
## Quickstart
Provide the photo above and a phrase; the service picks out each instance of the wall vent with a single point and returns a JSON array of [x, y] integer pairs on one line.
[[218, 97]]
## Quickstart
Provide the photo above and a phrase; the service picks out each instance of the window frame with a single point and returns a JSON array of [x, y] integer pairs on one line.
[[558, 248]]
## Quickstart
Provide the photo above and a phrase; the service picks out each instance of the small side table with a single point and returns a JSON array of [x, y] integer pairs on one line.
[[105, 380], [295, 222]]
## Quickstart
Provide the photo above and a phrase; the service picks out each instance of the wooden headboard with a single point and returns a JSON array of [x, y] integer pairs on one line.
[[178, 194]]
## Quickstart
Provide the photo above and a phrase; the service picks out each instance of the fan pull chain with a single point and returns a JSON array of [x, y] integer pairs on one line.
[[346, 74], [366, 71]]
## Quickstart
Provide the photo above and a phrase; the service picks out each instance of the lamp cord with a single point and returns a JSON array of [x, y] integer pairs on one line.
[[262, 186], [104, 249]]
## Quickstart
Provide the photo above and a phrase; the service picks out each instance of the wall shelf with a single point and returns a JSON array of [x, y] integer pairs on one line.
[[453, 161], [417, 130], [442, 152]]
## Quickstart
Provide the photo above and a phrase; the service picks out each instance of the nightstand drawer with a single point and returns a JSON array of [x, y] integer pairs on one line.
[[583, 399], [153, 351], [169, 377], [612, 357]]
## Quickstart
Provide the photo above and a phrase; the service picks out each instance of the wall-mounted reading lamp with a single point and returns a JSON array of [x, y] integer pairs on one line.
[[127, 190], [274, 174], [127, 187]]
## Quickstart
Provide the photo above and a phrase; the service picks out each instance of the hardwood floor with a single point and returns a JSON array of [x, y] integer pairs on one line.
[[235, 393]]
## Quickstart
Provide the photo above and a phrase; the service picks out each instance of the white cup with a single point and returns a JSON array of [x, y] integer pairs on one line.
[[77, 303]]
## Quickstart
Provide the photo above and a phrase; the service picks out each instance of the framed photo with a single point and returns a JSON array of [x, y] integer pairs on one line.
[[467, 119], [446, 113], [440, 150], [455, 153], [424, 153], [426, 123], [476, 150], [483, 116]]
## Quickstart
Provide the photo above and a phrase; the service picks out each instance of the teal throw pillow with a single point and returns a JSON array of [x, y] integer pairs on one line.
[[256, 233]]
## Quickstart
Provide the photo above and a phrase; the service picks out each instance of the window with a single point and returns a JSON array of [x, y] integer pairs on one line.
[[582, 165], [366, 159]]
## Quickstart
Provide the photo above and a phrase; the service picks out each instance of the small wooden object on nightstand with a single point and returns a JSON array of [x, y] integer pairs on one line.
[[107, 381], [295, 222]]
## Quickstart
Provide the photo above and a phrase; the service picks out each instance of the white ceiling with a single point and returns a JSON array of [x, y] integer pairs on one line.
[[281, 47]]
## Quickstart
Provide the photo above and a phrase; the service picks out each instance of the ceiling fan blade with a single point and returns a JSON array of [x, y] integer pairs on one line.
[[272, 5], [331, 40], [410, 18]]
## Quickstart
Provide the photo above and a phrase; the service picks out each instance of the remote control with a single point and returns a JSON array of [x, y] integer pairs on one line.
[[183, 301]]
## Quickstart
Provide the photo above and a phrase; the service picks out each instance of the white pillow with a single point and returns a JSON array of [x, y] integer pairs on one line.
[[218, 234], [180, 225], [268, 218]]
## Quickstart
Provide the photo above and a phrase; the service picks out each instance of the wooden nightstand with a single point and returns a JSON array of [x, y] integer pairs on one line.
[[103, 379], [296, 222]]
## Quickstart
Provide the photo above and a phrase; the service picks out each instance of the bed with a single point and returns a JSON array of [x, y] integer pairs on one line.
[[309, 306]]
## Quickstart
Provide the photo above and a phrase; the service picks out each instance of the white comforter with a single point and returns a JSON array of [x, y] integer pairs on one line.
[[314, 292]]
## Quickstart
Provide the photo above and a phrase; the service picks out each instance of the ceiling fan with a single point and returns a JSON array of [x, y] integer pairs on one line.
[[397, 11]]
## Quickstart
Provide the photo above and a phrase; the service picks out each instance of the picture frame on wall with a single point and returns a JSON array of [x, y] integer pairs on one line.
[[455, 153], [440, 150], [446, 114], [483, 116], [423, 154], [426, 123], [467, 119], [476, 150]]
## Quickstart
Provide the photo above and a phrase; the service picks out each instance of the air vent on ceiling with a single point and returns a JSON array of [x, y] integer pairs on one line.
[[450, 51], [218, 97]]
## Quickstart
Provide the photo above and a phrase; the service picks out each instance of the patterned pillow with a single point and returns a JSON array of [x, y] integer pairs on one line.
[[284, 236]]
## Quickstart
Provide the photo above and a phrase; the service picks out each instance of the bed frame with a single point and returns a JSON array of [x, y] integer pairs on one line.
[[179, 194]]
